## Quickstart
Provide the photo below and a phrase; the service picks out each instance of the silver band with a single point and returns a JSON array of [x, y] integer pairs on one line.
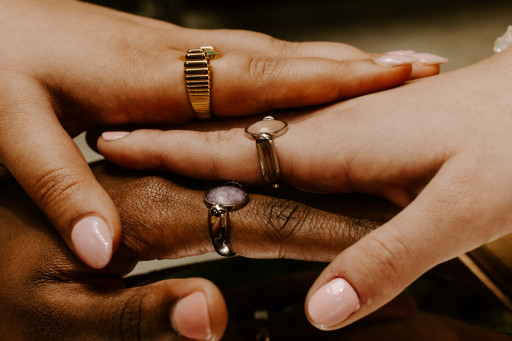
[[220, 201], [264, 133]]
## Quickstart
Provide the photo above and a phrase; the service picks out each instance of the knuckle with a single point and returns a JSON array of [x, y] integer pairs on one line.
[[386, 261], [284, 219], [262, 70], [130, 316], [218, 142], [54, 189]]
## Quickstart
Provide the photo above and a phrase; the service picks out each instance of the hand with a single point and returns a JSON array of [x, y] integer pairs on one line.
[[67, 66], [438, 147], [48, 293]]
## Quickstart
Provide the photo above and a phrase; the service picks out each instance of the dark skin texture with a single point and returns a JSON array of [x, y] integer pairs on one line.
[[49, 294]]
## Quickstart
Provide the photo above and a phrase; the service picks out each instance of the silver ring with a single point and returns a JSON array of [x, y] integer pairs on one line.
[[264, 132], [220, 201]]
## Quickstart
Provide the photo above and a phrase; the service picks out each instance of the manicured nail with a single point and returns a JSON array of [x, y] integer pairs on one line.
[[333, 303], [114, 135], [429, 58], [92, 241], [401, 52], [190, 317], [395, 60]]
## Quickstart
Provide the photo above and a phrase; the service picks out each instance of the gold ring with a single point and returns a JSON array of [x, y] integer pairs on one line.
[[198, 77], [264, 133]]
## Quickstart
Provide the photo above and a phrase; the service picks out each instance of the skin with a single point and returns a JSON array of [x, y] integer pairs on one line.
[[439, 148], [48, 293], [68, 66]]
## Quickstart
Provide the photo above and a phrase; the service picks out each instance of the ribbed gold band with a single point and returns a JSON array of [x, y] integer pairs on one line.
[[198, 77]]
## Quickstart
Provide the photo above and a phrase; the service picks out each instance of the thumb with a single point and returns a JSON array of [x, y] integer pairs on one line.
[[48, 165], [377, 268], [174, 309]]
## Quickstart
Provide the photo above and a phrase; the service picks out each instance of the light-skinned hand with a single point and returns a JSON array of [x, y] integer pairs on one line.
[[439, 148]]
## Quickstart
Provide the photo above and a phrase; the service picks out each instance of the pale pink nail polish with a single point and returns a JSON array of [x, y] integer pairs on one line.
[[190, 317], [114, 135], [429, 58], [394, 60], [401, 52], [333, 303], [92, 241]]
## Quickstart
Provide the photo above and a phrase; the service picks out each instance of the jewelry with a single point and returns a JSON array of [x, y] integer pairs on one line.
[[264, 132], [220, 201], [198, 77]]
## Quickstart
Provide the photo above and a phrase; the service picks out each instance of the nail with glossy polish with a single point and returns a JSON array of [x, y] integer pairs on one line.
[[401, 52], [190, 317], [92, 241], [113, 135], [429, 58], [395, 60], [333, 303]]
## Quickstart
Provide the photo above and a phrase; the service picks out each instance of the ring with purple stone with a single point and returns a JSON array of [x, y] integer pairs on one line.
[[264, 132], [220, 201]]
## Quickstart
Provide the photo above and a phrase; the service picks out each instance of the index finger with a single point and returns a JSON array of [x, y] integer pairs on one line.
[[163, 219]]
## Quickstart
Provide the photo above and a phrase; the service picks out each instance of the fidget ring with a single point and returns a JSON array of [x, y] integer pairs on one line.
[[220, 201], [264, 132], [198, 77]]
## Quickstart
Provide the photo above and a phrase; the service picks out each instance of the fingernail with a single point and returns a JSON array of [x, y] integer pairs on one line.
[[333, 303], [429, 58], [92, 241], [113, 135], [395, 60], [190, 317], [401, 52]]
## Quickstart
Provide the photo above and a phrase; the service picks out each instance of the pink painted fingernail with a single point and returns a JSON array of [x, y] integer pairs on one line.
[[395, 60], [92, 241], [429, 58], [333, 303], [114, 135], [190, 317], [401, 52]]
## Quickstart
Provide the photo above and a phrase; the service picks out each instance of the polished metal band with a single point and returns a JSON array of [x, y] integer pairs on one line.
[[198, 76], [220, 201], [264, 133]]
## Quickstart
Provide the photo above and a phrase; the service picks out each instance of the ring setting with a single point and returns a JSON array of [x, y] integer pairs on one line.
[[198, 78], [220, 202], [264, 132]]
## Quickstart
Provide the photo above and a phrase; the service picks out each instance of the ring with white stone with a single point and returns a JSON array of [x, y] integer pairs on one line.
[[264, 132], [220, 201]]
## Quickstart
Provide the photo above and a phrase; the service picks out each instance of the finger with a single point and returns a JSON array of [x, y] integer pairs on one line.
[[243, 84], [176, 223], [172, 310], [427, 64], [51, 169], [381, 265], [210, 151], [261, 84]]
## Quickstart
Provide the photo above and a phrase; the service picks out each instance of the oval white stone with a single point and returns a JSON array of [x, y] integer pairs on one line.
[[225, 195]]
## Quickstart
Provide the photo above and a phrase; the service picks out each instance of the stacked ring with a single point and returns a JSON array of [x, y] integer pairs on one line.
[[198, 77], [220, 201], [264, 132]]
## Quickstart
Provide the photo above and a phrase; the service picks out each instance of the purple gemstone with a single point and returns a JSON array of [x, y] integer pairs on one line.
[[226, 195]]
